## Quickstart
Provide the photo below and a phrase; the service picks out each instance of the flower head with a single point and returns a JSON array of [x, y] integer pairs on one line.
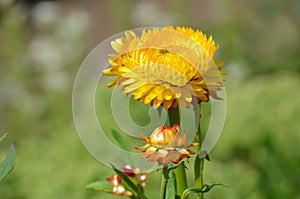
[[167, 66], [131, 172], [166, 145]]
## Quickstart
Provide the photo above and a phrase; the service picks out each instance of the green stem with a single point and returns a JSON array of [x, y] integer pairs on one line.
[[180, 179], [164, 182], [180, 175], [174, 116], [199, 162]]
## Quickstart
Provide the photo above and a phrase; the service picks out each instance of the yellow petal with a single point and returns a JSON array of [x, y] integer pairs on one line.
[[156, 102], [124, 69], [130, 34], [117, 45], [142, 148], [168, 95], [219, 63], [167, 103], [133, 87], [114, 82], [152, 93], [142, 90], [128, 81], [111, 72]]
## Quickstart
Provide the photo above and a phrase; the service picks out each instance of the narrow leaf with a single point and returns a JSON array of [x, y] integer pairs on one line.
[[101, 186], [3, 137], [127, 180], [8, 164], [121, 140]]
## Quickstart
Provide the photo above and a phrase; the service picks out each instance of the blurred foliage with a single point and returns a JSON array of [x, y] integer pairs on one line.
[[257, 154], [43, 45], [8, 164]]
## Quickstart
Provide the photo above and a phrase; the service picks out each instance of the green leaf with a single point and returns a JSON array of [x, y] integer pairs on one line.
[[203, 189], [101, 186], [121, 140], [171, 187], [8, 164], [3, 137], [134, 188], [124, 143]]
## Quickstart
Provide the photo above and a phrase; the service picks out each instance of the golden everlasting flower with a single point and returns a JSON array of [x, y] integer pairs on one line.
[[166, 145], [167, 66]]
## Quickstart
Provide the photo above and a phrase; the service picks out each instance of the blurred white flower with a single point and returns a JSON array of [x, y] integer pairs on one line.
[[45, 13], [149, 13], [57, 80], [73, 25], [53, 52], [47, 53], [13, 93]]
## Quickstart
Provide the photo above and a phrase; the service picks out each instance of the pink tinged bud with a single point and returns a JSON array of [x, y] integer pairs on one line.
[[128, 170], [118, 189], [128, 193], [131, 172], [115, 180], [142, 177]]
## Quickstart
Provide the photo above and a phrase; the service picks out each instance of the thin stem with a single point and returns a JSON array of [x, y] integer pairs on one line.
[[199, 162], [164, 182], [180, 175]]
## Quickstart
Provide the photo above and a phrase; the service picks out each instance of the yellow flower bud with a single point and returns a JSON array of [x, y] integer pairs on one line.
[[166, 145], [163, 136]]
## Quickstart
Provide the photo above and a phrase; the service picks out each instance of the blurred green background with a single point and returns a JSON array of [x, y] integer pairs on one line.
[[42, 44]]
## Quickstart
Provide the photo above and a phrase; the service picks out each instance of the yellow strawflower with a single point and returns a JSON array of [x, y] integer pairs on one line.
[[167, 66]]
